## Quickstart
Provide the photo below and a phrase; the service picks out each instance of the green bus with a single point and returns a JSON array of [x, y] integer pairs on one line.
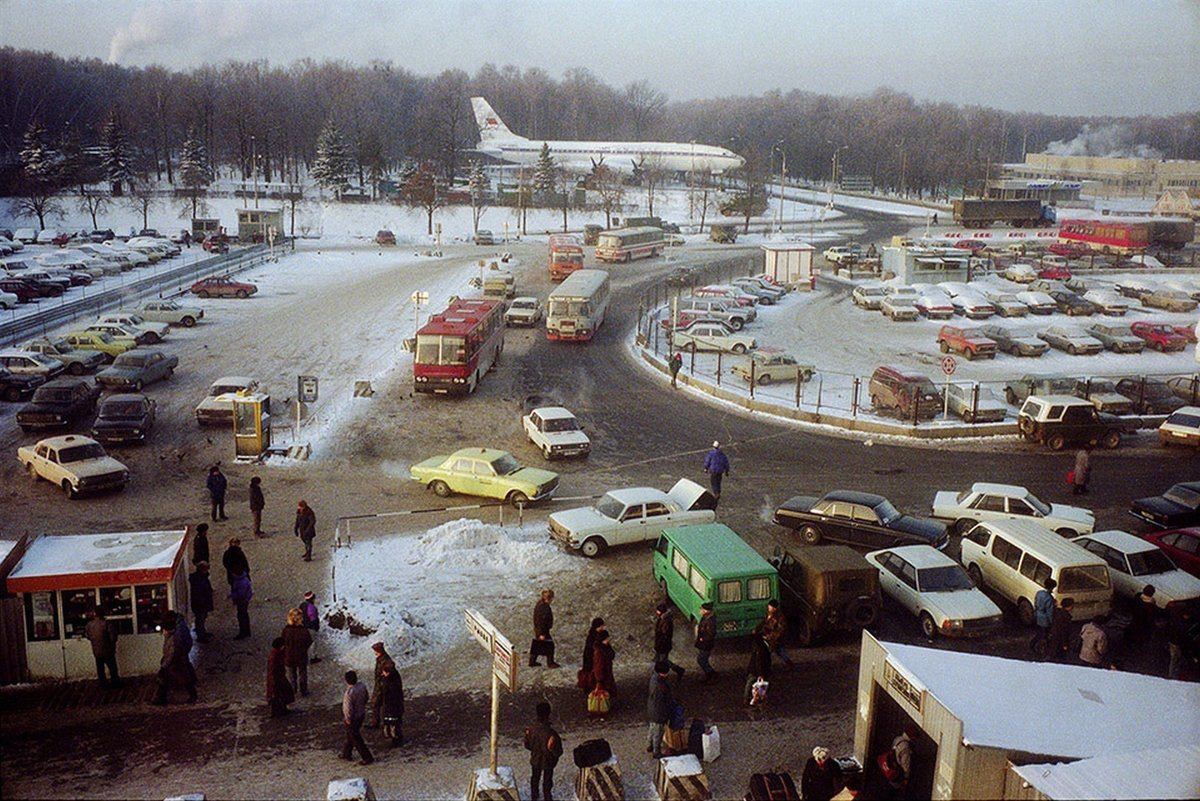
[[711, 563]]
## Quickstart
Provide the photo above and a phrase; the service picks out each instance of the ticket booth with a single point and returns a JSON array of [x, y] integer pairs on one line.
[[135, 576], [251, 424], [790, 263]]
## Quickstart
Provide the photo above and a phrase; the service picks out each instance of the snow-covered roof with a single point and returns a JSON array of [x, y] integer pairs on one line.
[[1154, 773], [786, 246], [1008, 490], [1044, 708], [553, 413], [98, 560], [6, 547]]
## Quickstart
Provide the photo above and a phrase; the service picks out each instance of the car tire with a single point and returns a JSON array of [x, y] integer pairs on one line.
[[810, 535], [969, 417], [928, 627], [1010, 396], [170, 374], [152, 338], [976, 575], [188, 322], [1071, 349], [75, 368], [31, 470], [518, 499], [13, 395], [1111, 439], [763, 380], [943, 346], [69, 490], [242, 294], [739, 348], [963, 525], [736, 324], [592, 547], [440, 489], [1025, 612], [690, 347], [1055, 442], [203, 293]]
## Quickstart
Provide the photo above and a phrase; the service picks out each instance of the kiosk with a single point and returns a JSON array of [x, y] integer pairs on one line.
[[251, 424], [790, 263]]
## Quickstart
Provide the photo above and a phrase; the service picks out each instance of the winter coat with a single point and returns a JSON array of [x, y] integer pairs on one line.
[[1060, 633], [103, 636], [820, 783], [1093, 647], [200, 549], [279, 689], [1082, 468], [716, 461], [257, 501], [544, 745], [543, 620], [659, 701], [602, 667], [312, 618], [589, 650], [706, 633], [201, 592], [240, 592], [760, 659], [664, 633], [1145, 612], [235, 561], [381, 659], [216, 484], [675, 363], [1043, 608], [393, 695], [306, 524], [175, 665], [354, 704], [296, 642], [774, 627]]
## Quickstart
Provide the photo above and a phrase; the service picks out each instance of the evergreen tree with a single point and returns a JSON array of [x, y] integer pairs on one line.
[[478, 186], [544, 174], [333, 165], [193, 169], [40, 171], [114, 158]]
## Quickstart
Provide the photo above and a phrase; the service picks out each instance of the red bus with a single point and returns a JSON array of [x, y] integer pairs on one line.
[[566, 256], [456, 348], [1107, 234]]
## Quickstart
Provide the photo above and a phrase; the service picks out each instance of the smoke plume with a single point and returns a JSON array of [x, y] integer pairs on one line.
[[1114, 141]]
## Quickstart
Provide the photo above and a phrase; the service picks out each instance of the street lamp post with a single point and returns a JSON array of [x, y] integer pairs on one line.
[[782, 176], [254, 166]]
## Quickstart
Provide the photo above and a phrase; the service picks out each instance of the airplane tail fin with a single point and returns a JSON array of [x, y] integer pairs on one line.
[[489, 122]]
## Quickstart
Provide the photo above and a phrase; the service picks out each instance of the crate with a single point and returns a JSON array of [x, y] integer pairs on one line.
[[600, 782], [681, 778]]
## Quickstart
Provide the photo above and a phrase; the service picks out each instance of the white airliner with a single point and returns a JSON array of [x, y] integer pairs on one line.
[[498, 141]]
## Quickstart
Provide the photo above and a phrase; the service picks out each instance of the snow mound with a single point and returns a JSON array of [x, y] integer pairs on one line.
[[475, 545]]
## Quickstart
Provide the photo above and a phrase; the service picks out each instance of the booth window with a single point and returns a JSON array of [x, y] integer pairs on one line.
[[151, 601], [76, 605], [118, 607], [41, 616]]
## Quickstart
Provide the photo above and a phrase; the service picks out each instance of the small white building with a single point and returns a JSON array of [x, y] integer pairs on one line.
[[1152, 773], [790, 263], [135, 576]]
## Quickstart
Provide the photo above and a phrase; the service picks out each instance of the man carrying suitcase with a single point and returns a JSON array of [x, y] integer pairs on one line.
[[545, 747]]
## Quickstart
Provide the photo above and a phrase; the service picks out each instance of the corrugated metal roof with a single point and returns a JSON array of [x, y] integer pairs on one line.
[[1157, 773]]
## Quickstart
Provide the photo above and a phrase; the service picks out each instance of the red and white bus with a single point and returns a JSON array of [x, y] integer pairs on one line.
[[1107, 234], [566, 255], [456, 348], [628, 244]]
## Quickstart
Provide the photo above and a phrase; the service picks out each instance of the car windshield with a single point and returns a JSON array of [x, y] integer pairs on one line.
[[1042, 507], [434, 349], [119, 409], [1183, 419], [886, 512], [1060, 386], [1184, 496], [52, 395], [524, 304], [1148, 563], [77, 453], [1103, 386], [562, 424], [901, 300], [62, 346], [505, 465], [946, 578], [610, 507], [129, 360]]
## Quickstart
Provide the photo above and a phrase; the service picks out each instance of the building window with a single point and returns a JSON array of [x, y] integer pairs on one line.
[[41, 616], [117, 603], [76, 607], [151, 602]]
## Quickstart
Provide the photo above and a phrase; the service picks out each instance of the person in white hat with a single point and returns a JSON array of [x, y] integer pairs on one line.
[[822, 777], [716, 464]]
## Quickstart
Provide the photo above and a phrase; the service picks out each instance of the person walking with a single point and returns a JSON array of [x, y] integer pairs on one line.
[[675, 364], [1093, 643], [664, 639], [102, 634], [175, 667], [602, 664], [257, 504], [240, 592], [392, 690], [822, 777], [200, 593], [1082, 472], [543, 639], [1144, 615], [354, 712], [1043, 616], [1183, 634], [706, 640], [296, 641], [586, 680], [216, 484], [716, 464], [382, 658], [1058, 638], [659, 703], [760, 663], [312, 621], [234, 559], [306, 528], [544, 747], [200, 544], [280, 693], [774, 629]]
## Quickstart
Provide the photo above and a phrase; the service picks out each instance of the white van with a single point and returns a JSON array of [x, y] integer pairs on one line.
[[1015, 557]]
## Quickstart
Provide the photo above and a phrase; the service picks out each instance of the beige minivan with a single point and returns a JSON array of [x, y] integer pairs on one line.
[[1015, 557]]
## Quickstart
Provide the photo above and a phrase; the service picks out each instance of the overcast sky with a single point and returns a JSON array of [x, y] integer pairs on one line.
[[1055, 56]]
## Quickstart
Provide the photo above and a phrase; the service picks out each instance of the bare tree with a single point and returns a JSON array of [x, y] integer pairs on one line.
[[478, 189], [610, 188], [421, 191], [653, 176], [644, 105], [93, 204], [142, 199]]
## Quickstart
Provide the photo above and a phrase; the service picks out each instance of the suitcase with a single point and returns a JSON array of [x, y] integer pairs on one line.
[[710, 744], [592, 752], [772, 787]]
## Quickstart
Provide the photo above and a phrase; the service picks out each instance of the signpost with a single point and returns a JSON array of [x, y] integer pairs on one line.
[[949, 365], [504, 669], [306, 392], [419, 299]]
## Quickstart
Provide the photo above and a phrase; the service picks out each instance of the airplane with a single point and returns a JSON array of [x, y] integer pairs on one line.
[[497, 140]]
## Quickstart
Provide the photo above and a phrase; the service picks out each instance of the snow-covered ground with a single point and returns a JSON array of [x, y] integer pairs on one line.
[[880, 206]]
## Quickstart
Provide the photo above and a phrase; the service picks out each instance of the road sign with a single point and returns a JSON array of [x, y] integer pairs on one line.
[[949, 365], [420, 298], [306, 388], [504, 663]]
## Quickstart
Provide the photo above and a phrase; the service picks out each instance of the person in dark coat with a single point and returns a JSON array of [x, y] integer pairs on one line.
[[392, 690], [543, 640], [659, 703], [545, 747], [201, 596], [296, 641], [822, 777], [1058, 640], [306, 528], [716, 464], [354, 712], [175, 668], [706, 640], [664, 638], [200, 545], [602, 663], [240, 592], [257, 504], [1145, 613], [586, 679], [279, 690], [382, 657], [760, 662], [216, 484], [235, 561], [1082, 473], [675, 364], [102, 634]]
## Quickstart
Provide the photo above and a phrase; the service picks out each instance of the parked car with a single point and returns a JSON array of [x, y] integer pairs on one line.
[[826, 589], [385, 237], [1171, 300], [124, 418], [751, 287], [101, 342], [154, 332], [692, 309], [217, 243], [556, 432], [1182, 427], [1117, 338], [765, 283], [1054, 272], [1020, 273], [936, 590], [711, 336], [1136, 288], [217, 405], [1189, 332], [484, 237], [1187, 286], [1179, 506], [681, 276], [1186, 387], [970, 342], [869, 296], [772, 366], [972, 305], [1149, 395], [23, 362], [988, 501], [843, 253], [1134, 562], [59, 403], [1060, 420], [136, 370], [1071, 340], [485, 472], [26, 236], [1017, 390], [627, 516], [76, 463], [899, 308], [908, 395], [857, 518], [170, 312], [1013, 342], [523, 311], [76, 361], [1037, 302], [1006, 303], [220, 286], [23, 291], [15, 388], [1159, 336], [1071, 304], [975, 404], [1107, 301], [9, 300], [47, 285], [727, 292], [935, 305], [121, 332], [1182, 545]]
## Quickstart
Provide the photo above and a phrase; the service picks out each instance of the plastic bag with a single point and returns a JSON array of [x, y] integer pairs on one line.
[[758, 693], [599, 702], [712, 744]]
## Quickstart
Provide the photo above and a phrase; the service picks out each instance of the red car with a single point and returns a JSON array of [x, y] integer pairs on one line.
[[1071, 251], [1055, 273], [1182, 545], [217, 243], [973, 245], [1188, 332], [222, 286], [967, 341], [1159, 336], [62, 239]]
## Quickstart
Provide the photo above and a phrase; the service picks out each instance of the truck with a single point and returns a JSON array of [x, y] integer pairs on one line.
[[982, 212]]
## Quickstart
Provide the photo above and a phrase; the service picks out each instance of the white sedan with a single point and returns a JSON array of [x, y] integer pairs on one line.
[[626, 516], [985, 501], [712, 335], [935, 589], [1133, 563], [556, 432]]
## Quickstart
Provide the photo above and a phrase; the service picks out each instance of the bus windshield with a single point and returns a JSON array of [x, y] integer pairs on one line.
[[435, 349], [568, 308], [568, 258]]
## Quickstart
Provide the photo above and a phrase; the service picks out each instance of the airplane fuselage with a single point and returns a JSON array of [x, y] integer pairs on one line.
[[618, 156]]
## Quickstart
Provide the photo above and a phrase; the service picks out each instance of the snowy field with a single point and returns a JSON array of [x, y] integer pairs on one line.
[[879, 206]]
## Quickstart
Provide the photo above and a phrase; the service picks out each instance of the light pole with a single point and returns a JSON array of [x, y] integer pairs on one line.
[[254, 166], [903, 166], [782, 177]]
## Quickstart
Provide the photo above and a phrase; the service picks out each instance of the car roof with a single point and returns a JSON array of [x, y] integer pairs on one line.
[[920, 556], [630, 495], [854, 496], [711, 544], [487, 454], [67, 439], [1042, 542], [827, 558], [123, 397], [524, 297], [1123, 541], [65, 381], [999, 489], [233, 380], [1060, 400], [552, 412]]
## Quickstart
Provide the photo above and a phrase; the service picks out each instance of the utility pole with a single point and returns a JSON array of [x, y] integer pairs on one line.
[[254, 165], [782, 178]]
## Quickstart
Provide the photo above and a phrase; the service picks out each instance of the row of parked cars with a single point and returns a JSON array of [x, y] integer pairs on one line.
[[984, 342], [712, 317]]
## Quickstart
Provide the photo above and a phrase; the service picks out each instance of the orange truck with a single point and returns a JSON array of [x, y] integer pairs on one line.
[[566, 255]]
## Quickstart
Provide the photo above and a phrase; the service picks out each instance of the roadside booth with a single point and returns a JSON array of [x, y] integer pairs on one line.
[[135, 576], [790, 263], [977, 715], [259, 225]]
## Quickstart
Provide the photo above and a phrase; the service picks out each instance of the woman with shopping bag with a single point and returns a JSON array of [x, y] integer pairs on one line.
[[586, 679], [604, 684]]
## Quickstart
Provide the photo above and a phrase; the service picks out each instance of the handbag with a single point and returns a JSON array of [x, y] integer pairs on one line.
[[599, 702]]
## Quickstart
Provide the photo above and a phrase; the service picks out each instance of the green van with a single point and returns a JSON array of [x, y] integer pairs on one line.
[[711, 563]]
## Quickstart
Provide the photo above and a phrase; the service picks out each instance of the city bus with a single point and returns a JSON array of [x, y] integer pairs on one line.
[[1107, 235], [628, 244], [566, 256], [456, 348], [575, 309]]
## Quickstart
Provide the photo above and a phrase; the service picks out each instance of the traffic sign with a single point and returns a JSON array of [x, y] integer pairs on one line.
[[949, 365], [306, 388], [420, 298], [504, 663]]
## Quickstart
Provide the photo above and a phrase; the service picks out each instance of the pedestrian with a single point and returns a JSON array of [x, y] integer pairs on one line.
[[296, 641], [103, 634], [382, 657], [200, 593], [899, 760], [312, 621], [544, 747], [822, 777], [586, 680], [280, 692], [706, 640], [1183, 634], [543, 640], [716, 464], [760, 663], [659, 703], [675, 364], [1043, 616], [306, 528], [602, 664], [1082, 472], [1093, 643], [354, 712], [187, 240], [257, 504], [240, 592], [392, 690], [935, 218], [1144, 614], [200, 544], [1058, 638], [175, 668], [664, 638], [216, 484], [774, 630], [235, 561]]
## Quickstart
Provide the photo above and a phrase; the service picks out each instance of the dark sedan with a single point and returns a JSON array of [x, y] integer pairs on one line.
[[136, 369], [124, 418], [15, 387], [1177, 507], [59, 403], [857, 518], [1149, 395], [1071, 304]]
